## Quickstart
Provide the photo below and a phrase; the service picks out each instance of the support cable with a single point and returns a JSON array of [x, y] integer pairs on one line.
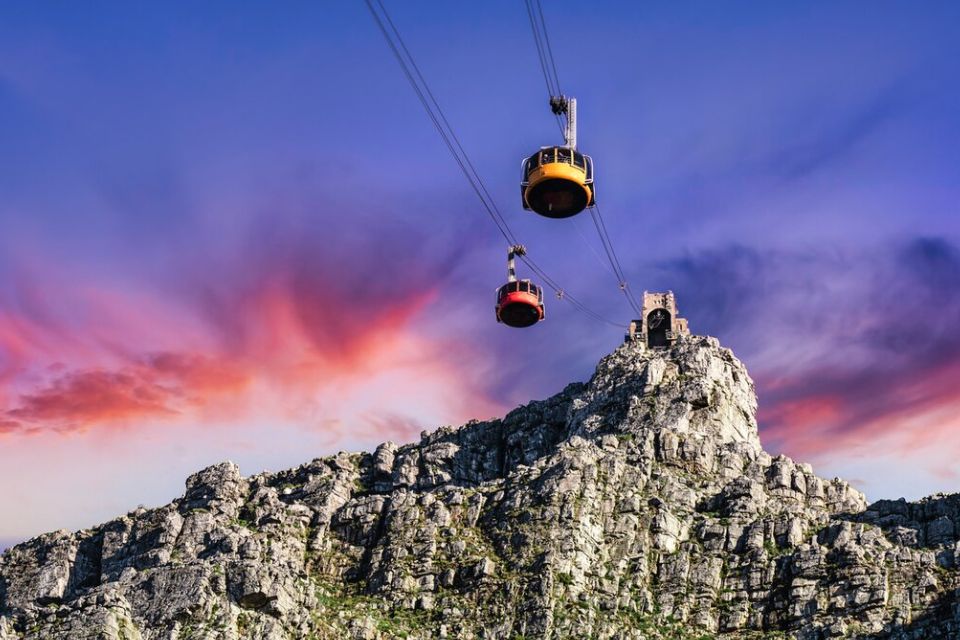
[[614, 260], [549, 49], [543, 51], [601, 260], [440, 121], [473, 176]]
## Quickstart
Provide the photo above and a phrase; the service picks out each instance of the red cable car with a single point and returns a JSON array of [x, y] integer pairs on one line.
[[519, 302]]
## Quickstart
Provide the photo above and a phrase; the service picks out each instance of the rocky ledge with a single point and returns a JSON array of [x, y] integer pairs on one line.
[[639, 505]]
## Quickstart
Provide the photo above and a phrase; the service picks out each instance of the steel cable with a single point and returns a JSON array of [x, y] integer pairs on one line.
[[542, 49], [614, 260]]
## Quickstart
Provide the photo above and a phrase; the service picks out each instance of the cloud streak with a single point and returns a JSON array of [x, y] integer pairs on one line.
[[285, 329], [163, 385], [844, 346]]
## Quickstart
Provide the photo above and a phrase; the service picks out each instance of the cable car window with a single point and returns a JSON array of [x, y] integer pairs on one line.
[[578, 160], [514, 286], [563, 155]]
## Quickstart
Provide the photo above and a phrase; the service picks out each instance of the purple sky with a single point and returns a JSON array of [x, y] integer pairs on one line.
[[231, 232]]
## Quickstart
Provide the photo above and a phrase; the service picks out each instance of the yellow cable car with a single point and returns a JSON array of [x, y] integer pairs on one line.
[[557, 182]]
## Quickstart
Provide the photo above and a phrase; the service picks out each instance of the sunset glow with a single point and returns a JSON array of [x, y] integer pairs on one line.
[[231, 232]]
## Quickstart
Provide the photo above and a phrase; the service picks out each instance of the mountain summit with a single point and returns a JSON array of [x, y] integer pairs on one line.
[[639, 505]]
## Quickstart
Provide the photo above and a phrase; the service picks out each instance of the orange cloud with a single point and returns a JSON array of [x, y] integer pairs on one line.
[[905, 409], [288, 348], [196, 376], [90, 397], [8, 426]]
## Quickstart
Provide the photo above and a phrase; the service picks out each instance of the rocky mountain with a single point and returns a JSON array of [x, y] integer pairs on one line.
[[638, 505]]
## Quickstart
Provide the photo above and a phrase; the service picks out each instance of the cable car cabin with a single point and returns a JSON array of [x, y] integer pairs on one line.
[[519, 304], [557, 182]]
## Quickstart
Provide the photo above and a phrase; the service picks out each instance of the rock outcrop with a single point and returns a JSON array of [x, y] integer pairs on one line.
[[639, 505]]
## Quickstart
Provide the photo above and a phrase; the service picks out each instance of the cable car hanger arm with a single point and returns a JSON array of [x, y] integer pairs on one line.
[[515, 250], [568, 107]]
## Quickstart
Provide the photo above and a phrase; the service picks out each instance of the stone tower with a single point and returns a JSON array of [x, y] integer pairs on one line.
[[661, 322]]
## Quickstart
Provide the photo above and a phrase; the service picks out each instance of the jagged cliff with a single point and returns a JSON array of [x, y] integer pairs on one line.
[[638, 505]]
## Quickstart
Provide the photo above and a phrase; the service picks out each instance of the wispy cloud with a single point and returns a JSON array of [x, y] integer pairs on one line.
[[291, 324], [161, 386], [844, 346], [831, 142]]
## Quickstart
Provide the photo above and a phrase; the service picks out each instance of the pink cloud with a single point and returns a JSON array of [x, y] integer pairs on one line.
[[8, 426], [285, 346], [90, 397], [823, 413]]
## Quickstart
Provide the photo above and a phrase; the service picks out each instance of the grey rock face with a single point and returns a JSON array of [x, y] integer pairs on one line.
[[637, 506]]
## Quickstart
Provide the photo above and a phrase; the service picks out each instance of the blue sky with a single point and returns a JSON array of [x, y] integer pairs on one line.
[[194, 197]]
